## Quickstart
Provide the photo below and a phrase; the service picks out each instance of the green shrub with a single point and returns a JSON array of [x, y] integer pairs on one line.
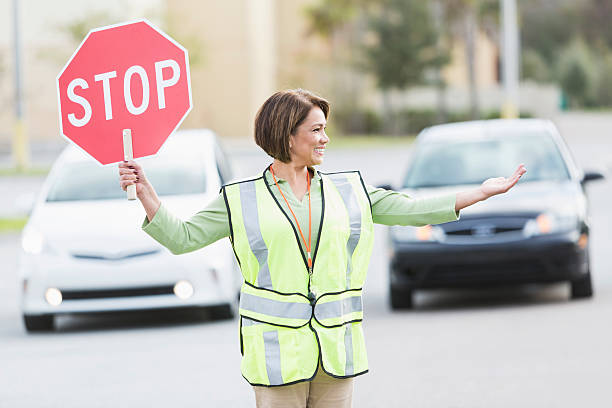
[[577, 74], [535, 67], [357, 121], [412, 121], [603, 93], [495, 114]]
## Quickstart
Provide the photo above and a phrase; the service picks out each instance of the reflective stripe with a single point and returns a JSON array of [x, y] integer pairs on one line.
[[274, 308], [338, 308], [273, 356], [248, 322], [248, 201], [345, 188], [348, 348]]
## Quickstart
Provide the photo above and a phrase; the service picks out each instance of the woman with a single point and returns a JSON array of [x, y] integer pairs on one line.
[[303, 239]]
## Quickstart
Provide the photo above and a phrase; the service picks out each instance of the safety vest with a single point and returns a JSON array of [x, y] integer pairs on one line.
[[292, 318]]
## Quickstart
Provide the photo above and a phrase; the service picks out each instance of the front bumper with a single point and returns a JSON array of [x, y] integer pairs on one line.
[[539, 259], [101, 286]]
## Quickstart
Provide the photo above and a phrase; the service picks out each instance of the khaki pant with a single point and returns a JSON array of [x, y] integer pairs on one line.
[[322, 392]]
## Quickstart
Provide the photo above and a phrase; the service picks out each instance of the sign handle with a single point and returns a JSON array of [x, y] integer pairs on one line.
[[128, 154]]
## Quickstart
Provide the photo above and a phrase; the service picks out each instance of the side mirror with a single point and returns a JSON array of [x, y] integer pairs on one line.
[[385, 186], [590, 176]]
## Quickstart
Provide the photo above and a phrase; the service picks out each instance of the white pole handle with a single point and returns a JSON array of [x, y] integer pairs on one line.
[[128, 154]]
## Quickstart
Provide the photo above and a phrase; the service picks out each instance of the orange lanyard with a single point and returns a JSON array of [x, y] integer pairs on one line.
[[309, 244]]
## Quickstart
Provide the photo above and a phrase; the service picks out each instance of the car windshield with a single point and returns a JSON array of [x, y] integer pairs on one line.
[[87, 180], [473, 161]]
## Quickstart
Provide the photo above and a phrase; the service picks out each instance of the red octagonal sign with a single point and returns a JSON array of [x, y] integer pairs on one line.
[[126, 76]]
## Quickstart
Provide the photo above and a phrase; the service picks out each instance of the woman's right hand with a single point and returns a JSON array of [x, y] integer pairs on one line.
[[131, 172]]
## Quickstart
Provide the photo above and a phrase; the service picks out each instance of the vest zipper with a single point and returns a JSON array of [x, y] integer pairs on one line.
[[313, 301], [310, 270]]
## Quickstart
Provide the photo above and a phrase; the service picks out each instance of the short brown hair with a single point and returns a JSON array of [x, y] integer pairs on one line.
[[279, 117]]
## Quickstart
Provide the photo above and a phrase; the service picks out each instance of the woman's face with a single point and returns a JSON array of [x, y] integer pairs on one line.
[[307, 144]]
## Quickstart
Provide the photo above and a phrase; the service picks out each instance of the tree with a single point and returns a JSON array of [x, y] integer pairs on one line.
[[397, 38], [340, 23], [573, 39], [327, 16], [577, 74], [595, 17], [604, 81], [547, 26], [533, 66], [78, 28], [464, 18], [403, 47]]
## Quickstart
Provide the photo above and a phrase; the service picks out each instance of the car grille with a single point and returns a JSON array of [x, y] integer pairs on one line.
[[485, 229], [114, 256], [114, 293], [478, 231]]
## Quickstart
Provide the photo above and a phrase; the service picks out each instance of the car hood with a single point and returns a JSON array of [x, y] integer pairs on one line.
[[109, 228], [527, 197]]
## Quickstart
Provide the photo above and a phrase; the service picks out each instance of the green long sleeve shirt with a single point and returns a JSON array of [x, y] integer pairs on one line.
[[212, 223]]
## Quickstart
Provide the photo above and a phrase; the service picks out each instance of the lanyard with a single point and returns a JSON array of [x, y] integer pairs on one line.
[[309, 244]]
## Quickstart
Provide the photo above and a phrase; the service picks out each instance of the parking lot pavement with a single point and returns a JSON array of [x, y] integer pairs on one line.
[[9, 285], [503, 348]]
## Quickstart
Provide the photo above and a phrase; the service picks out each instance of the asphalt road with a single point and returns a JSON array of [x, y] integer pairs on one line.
[[527, 347]]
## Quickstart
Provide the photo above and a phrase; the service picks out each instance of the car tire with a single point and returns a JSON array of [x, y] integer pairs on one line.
[[401, 299], [582, 287], [38, 323]]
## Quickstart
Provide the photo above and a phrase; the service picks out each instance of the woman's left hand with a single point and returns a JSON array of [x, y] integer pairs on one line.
[[498, 185]]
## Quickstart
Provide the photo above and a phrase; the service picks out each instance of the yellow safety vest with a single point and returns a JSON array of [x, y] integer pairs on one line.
[[292, 319]]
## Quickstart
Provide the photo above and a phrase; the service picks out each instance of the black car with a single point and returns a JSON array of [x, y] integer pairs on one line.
[[536, 233]]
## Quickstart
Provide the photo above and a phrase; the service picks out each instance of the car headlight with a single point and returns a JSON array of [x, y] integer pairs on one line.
[[550, 223], [427, 233], [32, 241]]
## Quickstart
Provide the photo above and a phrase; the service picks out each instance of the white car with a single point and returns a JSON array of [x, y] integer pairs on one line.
[[83, 249]]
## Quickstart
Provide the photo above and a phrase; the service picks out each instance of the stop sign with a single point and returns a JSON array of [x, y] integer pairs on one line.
[[125, 76]]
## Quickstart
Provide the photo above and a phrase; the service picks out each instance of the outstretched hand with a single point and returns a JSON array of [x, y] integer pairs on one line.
[[498, 185]]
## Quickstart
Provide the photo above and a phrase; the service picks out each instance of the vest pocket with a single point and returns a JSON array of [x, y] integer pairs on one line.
[[261, 359], [343, 349], [277, 355]]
